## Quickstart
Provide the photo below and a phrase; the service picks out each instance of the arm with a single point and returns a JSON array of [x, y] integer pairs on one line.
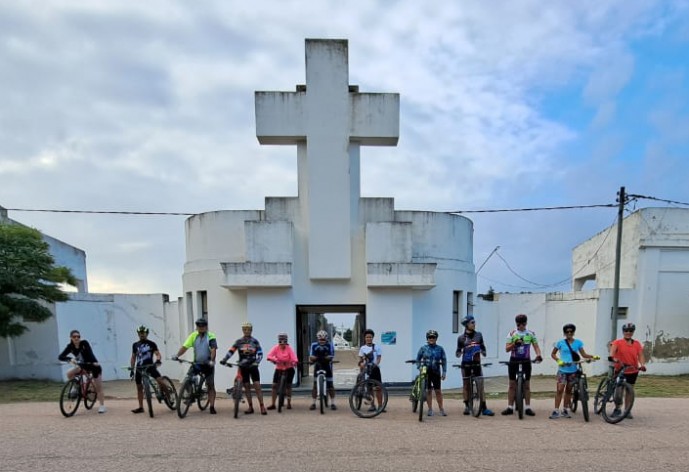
[[584, 354], [553, 354], [443, 359], [271, 357], [259, 353], [484, 351], [642, 360], [63, 355], [613, 351], [460, 346]]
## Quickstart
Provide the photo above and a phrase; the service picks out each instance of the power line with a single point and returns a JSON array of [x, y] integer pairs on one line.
[[104, 212], [657, 199], [571, 207]]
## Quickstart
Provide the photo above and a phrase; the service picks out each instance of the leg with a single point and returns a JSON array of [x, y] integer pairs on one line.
[[273, 395], [247, 394], [568, 395], [439, 399], [511, 391], [140, 395], [527, 392], [558, 395], [98, 382]]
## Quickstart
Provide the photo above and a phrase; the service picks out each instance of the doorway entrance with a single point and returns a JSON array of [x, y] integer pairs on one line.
[[344, 324]]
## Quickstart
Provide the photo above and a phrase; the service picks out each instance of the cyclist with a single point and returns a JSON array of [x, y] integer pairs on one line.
[[250, 355], [437, 369], [321, 355], [83, 358], [285, 360], [627, 350], [370, 353], [470, 347], [519, 343], [205, 348], [570, 350], [145, 354]]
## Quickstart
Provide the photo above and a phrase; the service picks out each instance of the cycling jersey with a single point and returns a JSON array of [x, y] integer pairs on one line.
[[250, 351], [470, 346], [203, 344], [435, 356], [566, 354], [143, 352], [523, 350]]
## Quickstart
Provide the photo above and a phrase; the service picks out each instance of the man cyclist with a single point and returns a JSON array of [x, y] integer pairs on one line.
[[83, 358], [321, 355], [436, 360], [519, 343], [627, 350], [371, 353], [470, 347], [570, 350], [205, 347], [250, 355], [145, 355]]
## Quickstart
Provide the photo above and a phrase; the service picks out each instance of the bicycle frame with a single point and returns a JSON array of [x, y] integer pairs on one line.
[[236, 392], [520, 394], [192, 389], [475, 384], [617, 393], [368, 397], [80, 386], [419, 387]]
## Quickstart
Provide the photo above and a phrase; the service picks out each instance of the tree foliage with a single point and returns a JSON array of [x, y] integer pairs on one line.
[[29, 279]]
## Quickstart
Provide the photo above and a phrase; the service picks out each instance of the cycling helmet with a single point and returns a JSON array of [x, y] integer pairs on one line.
[[369, 331], [467, 319], [282, 337], [248, 325], [322, 334], [520, 318], [142, 329], [431, 333], [629, 327], [202, 322], [569, 327]]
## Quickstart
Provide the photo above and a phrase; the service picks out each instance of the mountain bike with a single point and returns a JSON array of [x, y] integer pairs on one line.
[[236, 392], [193, 389], [77, 388], [614, 397], [321, 385], [282, 384], [580, 390], [475, 383], [419, 388], [152, 389], [368, 397], [519, 394]]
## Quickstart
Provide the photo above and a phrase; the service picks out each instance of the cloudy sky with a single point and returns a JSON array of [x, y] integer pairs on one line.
[[148, 107]]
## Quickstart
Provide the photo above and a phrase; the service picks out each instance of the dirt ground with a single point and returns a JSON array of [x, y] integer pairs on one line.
[[35, 437]]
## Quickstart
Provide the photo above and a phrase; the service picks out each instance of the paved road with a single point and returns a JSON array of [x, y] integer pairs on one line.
[[35, 437]]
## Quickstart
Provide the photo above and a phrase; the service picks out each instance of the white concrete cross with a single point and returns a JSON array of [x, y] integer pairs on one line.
[[328, 121]]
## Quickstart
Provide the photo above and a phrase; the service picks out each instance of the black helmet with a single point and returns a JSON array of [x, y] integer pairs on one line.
[[629, 327], [467, 319], [520, 318], [369, 331], [142, 329], [569, 327], [201, 322], [431, 333]]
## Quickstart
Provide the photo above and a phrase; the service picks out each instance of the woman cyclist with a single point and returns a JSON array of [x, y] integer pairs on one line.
[[285, 360]]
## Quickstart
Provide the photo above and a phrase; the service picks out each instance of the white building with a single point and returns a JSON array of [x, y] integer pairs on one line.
[[328, 250]]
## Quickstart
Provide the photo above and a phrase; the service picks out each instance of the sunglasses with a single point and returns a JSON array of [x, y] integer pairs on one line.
[[76, 336], [627, 330], [282, 342], [432, 337], [569, 331]]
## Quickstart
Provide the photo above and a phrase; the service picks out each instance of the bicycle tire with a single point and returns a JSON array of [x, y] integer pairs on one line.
[[414, 395], [598, 398], [91, 395], [169, 393], [422, 396], [617, 396], [146, 381], [364, 395], [575, 398], [237, 395], [281, 391], [584, 398], [186, 398], [202, 399], [69, 405], [475, 397], [519, 397], [322, 393]]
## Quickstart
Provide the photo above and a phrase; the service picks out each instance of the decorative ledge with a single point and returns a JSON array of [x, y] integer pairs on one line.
[[241, 275], [401, 275]]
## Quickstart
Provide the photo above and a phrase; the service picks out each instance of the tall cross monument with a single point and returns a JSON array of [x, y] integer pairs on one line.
[[329, 121]]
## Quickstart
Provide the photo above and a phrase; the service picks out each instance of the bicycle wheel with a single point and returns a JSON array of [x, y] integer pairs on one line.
[[186, 398], [614, 403], [422, 396], [146, 385], [584, 397], [475, 397], [363, 398], [575, 397], [322, 392], [519, 397], [598, 398], [281, 391], [237, 395], [90, 398], [414, 395], [70, 397], [169, 393], [202, 399]]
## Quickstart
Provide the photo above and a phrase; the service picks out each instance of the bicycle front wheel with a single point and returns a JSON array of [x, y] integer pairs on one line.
[[598, 398], [368, 398], [202, 400], [475, 397], [169, 393], [237, 395], [575, 398], [584, 398], [415, 395], [519, 397], [321, 392], [281, 391], [186, 398], [422, 396], [617, 403], [70, 397], [90, 398], [146, 381]]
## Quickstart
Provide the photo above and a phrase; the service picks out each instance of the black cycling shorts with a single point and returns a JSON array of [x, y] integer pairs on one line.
[[152, 371], [513, 368], [289, 373]]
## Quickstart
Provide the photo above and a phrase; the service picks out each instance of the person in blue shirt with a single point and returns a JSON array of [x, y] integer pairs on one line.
[[321, 354], [434, 355], [470, 348], [565, 352]]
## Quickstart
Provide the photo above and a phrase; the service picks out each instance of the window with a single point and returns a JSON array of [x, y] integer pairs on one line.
[[202, 303], [190, 308], [470, 303], [456, 307]]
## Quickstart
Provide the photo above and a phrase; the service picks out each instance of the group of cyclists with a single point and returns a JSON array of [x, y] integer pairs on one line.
[[625, 352]]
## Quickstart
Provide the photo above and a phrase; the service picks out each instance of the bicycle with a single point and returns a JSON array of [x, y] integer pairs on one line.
[[236, 392], [419, 388], [321, 385], [75, 389], [475, 383], [519, 394], [614, 392], [193, 389], [151, 388], [580, 390], [282, 384], [362, 398]]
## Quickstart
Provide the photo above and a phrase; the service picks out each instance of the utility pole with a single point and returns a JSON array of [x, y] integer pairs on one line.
[[622, 199], [489, 256]]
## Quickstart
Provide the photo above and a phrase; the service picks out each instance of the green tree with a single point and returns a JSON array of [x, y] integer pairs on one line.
[[348, 335], [29, 279]]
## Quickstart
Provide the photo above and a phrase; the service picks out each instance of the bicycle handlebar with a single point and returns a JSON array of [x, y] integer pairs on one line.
[[473, 364]]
